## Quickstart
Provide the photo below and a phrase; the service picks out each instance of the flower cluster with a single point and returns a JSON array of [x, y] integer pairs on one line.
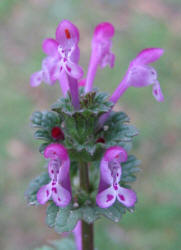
[[82, 127], [63, 56]]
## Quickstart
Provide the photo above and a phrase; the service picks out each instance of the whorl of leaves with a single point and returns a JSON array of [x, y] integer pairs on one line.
[[81, 132]]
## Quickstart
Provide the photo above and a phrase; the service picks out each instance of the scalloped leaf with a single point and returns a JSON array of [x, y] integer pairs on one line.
[[120, 132], [116, 117], [42, 135], [45, 119], [89, 214], [113, 213], [129, 169], [66, 219], [51, 214]]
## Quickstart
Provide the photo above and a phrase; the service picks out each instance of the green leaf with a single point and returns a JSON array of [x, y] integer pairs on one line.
[[45, 120], [89, 214], [93, 103], [131, 162], [131, 178], [63, 105], [120, 207], [34, 186], [116, 117], [111, 213], [67, 219], [88, 154], [120, 132], [51, 214], [129, 130], [126, 145], [42, 135], [129, 168], [77, 155], [64, 244]]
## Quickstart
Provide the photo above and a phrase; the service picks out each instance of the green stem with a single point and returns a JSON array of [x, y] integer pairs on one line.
[[87, 229]]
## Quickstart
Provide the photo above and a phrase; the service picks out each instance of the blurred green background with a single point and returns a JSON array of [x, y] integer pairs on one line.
[[156, 224]]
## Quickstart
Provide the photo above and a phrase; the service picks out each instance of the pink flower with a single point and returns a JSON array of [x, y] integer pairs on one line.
[[140, 74], [65, 47], [78, 235], [46, 74], [101, 51], [110, 175], [61, 62], [58, 168]]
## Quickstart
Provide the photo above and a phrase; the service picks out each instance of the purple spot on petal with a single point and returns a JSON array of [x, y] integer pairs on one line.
[[68, 68], [65, 59], [54, 190], [156, 92], [47, 192], [109, 197], [52, 171], [59, 199], [121, 197]]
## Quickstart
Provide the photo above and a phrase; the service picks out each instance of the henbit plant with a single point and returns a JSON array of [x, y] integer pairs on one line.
[[86, 143]]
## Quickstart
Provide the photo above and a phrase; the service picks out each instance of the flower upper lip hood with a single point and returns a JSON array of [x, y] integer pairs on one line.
[[67, 34], [149, 55], [114, 151], [56, 150], [67, 37], [103, 31]]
